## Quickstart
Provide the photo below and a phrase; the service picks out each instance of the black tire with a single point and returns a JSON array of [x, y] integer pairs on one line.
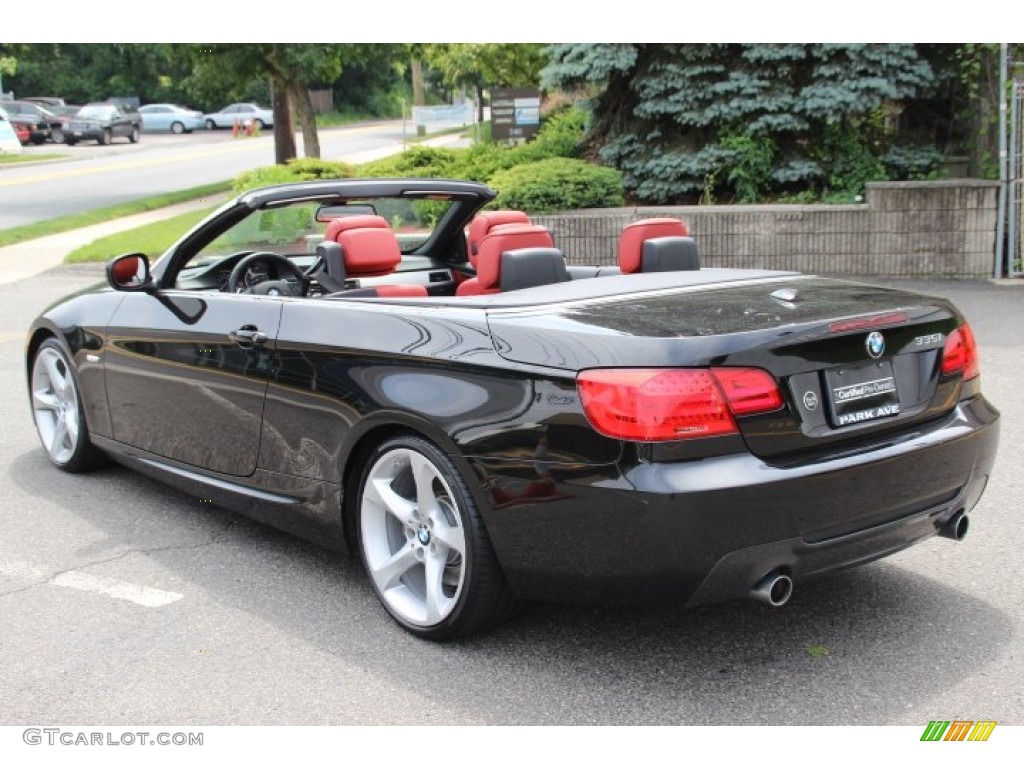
[[56, 397], [133, 137], [177, 128], [70, 141], [106, 137], [210, 125], [37, 140], [472, 594]]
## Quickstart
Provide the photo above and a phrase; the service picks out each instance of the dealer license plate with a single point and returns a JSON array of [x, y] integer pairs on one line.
[[860, 394]]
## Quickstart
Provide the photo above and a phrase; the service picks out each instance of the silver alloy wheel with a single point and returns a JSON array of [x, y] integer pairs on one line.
[[55, 405], [413, 538]]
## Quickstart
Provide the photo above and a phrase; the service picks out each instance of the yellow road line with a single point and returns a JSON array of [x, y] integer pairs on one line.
[[70, 172]]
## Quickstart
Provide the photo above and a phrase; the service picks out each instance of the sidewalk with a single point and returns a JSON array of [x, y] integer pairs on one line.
[[31, 257]]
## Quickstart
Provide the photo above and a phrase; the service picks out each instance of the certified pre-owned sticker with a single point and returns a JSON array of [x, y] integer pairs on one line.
[[853, 392]]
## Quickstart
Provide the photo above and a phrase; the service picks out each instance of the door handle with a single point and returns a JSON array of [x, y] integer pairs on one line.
[[248, 336]]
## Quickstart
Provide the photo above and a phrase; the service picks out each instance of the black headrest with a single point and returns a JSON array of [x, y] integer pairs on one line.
[[528, 267], [669, 254], [332, 274]]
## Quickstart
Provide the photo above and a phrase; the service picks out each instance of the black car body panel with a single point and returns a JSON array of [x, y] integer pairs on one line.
[[280, 429]]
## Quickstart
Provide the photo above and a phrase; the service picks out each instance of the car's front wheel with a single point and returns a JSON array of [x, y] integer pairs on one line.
[[423, 543], [178, 128], [57, 136], [133, 137], [58, 412], [106, 137], [210, 125]]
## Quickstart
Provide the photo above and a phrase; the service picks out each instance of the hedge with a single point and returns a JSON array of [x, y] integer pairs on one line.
[[557, 184]]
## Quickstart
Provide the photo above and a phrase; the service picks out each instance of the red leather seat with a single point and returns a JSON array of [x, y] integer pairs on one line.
[[484, 222], [488, 260], [631, 243], [362, 221], [374, 252]]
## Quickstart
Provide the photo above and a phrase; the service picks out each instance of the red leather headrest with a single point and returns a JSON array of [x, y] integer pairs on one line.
[[363, 221], [631, 244], [488, 264], [483, 223], [369, 252]]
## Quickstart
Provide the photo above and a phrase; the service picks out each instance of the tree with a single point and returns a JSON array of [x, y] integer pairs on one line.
[[683, 120], [482, 65]]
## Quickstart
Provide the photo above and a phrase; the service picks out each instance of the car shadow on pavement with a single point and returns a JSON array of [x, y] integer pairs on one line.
[[873, 645]]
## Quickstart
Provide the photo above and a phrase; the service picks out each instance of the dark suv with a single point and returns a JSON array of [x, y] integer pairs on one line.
[[102, 122]]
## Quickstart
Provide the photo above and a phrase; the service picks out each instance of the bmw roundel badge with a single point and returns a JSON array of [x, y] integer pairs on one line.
[[875, 344]]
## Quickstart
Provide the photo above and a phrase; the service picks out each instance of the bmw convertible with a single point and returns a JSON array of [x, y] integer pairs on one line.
[[388, 368]]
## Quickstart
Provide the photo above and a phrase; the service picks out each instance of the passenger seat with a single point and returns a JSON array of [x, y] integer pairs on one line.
[[536, 261]]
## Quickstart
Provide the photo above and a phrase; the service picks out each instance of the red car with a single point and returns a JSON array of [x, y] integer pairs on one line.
[[21, 131]]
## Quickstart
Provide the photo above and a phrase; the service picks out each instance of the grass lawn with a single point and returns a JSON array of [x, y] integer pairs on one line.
[[151, 239], [11, 159], [79, 220]]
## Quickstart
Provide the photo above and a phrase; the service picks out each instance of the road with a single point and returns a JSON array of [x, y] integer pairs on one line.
[[125, 602], [95, 177]]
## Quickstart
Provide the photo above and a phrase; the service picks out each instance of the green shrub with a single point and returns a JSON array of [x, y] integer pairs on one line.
[[557, 184], [298, 169], [416, 162]]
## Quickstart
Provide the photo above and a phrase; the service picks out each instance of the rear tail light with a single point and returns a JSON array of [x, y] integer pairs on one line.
[[654, 404], [961, 353]]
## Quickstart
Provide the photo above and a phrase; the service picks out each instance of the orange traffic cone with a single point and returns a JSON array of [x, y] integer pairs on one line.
[[248, 127], [234, 128]]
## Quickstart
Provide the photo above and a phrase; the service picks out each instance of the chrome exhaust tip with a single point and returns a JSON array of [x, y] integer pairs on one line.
[[775, 589], [956, 527]]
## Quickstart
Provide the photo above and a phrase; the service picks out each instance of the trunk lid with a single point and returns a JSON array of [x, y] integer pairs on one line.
[[853, 361]]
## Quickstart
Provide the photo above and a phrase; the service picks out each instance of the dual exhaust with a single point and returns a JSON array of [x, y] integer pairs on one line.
[[776, 588]]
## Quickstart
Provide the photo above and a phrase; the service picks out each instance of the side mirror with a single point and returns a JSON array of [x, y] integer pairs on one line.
[[130, 272]]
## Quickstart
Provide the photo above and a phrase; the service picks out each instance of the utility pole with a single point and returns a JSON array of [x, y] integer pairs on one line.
[[1001, 210]]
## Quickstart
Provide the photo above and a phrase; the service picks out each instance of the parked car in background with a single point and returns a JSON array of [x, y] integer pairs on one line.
[[43, 125], [102, 122], [170, 117], [21, 131], [46, 101], [242, 114]]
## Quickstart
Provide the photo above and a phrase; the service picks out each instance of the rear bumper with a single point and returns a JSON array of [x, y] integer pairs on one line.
[[708, 530]]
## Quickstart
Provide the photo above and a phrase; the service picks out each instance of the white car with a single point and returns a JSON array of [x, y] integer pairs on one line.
[[242, 114]]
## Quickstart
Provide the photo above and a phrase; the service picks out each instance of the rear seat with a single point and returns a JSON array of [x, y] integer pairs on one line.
[[484, 222], [490, 260], [657, 245]]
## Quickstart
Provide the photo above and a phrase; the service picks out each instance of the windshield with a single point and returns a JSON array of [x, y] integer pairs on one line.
[[293, 230], [100, 113]]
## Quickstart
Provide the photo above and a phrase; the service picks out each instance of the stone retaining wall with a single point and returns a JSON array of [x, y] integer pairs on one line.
[[903, 229]]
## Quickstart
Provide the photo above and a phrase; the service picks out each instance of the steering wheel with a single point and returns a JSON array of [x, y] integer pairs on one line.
[[235, 278]]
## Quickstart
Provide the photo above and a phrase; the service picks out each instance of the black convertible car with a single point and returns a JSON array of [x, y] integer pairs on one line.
[[377, 364]]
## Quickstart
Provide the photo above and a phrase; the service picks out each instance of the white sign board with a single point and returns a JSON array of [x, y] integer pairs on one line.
[[9, 143], [440, 118]]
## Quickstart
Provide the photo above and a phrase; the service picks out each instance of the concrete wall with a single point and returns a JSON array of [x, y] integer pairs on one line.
[[903, 229]]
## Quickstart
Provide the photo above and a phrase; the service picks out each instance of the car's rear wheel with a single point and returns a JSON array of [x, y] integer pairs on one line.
[[58, 412], [258, 124], [424, 545], [57, 135], [177, 128], [70, 142]]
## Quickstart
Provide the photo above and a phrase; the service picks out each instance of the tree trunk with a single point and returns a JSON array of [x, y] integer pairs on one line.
[[299, 95], [418, 94], [284, 131], [984, 157], [479, 102]]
